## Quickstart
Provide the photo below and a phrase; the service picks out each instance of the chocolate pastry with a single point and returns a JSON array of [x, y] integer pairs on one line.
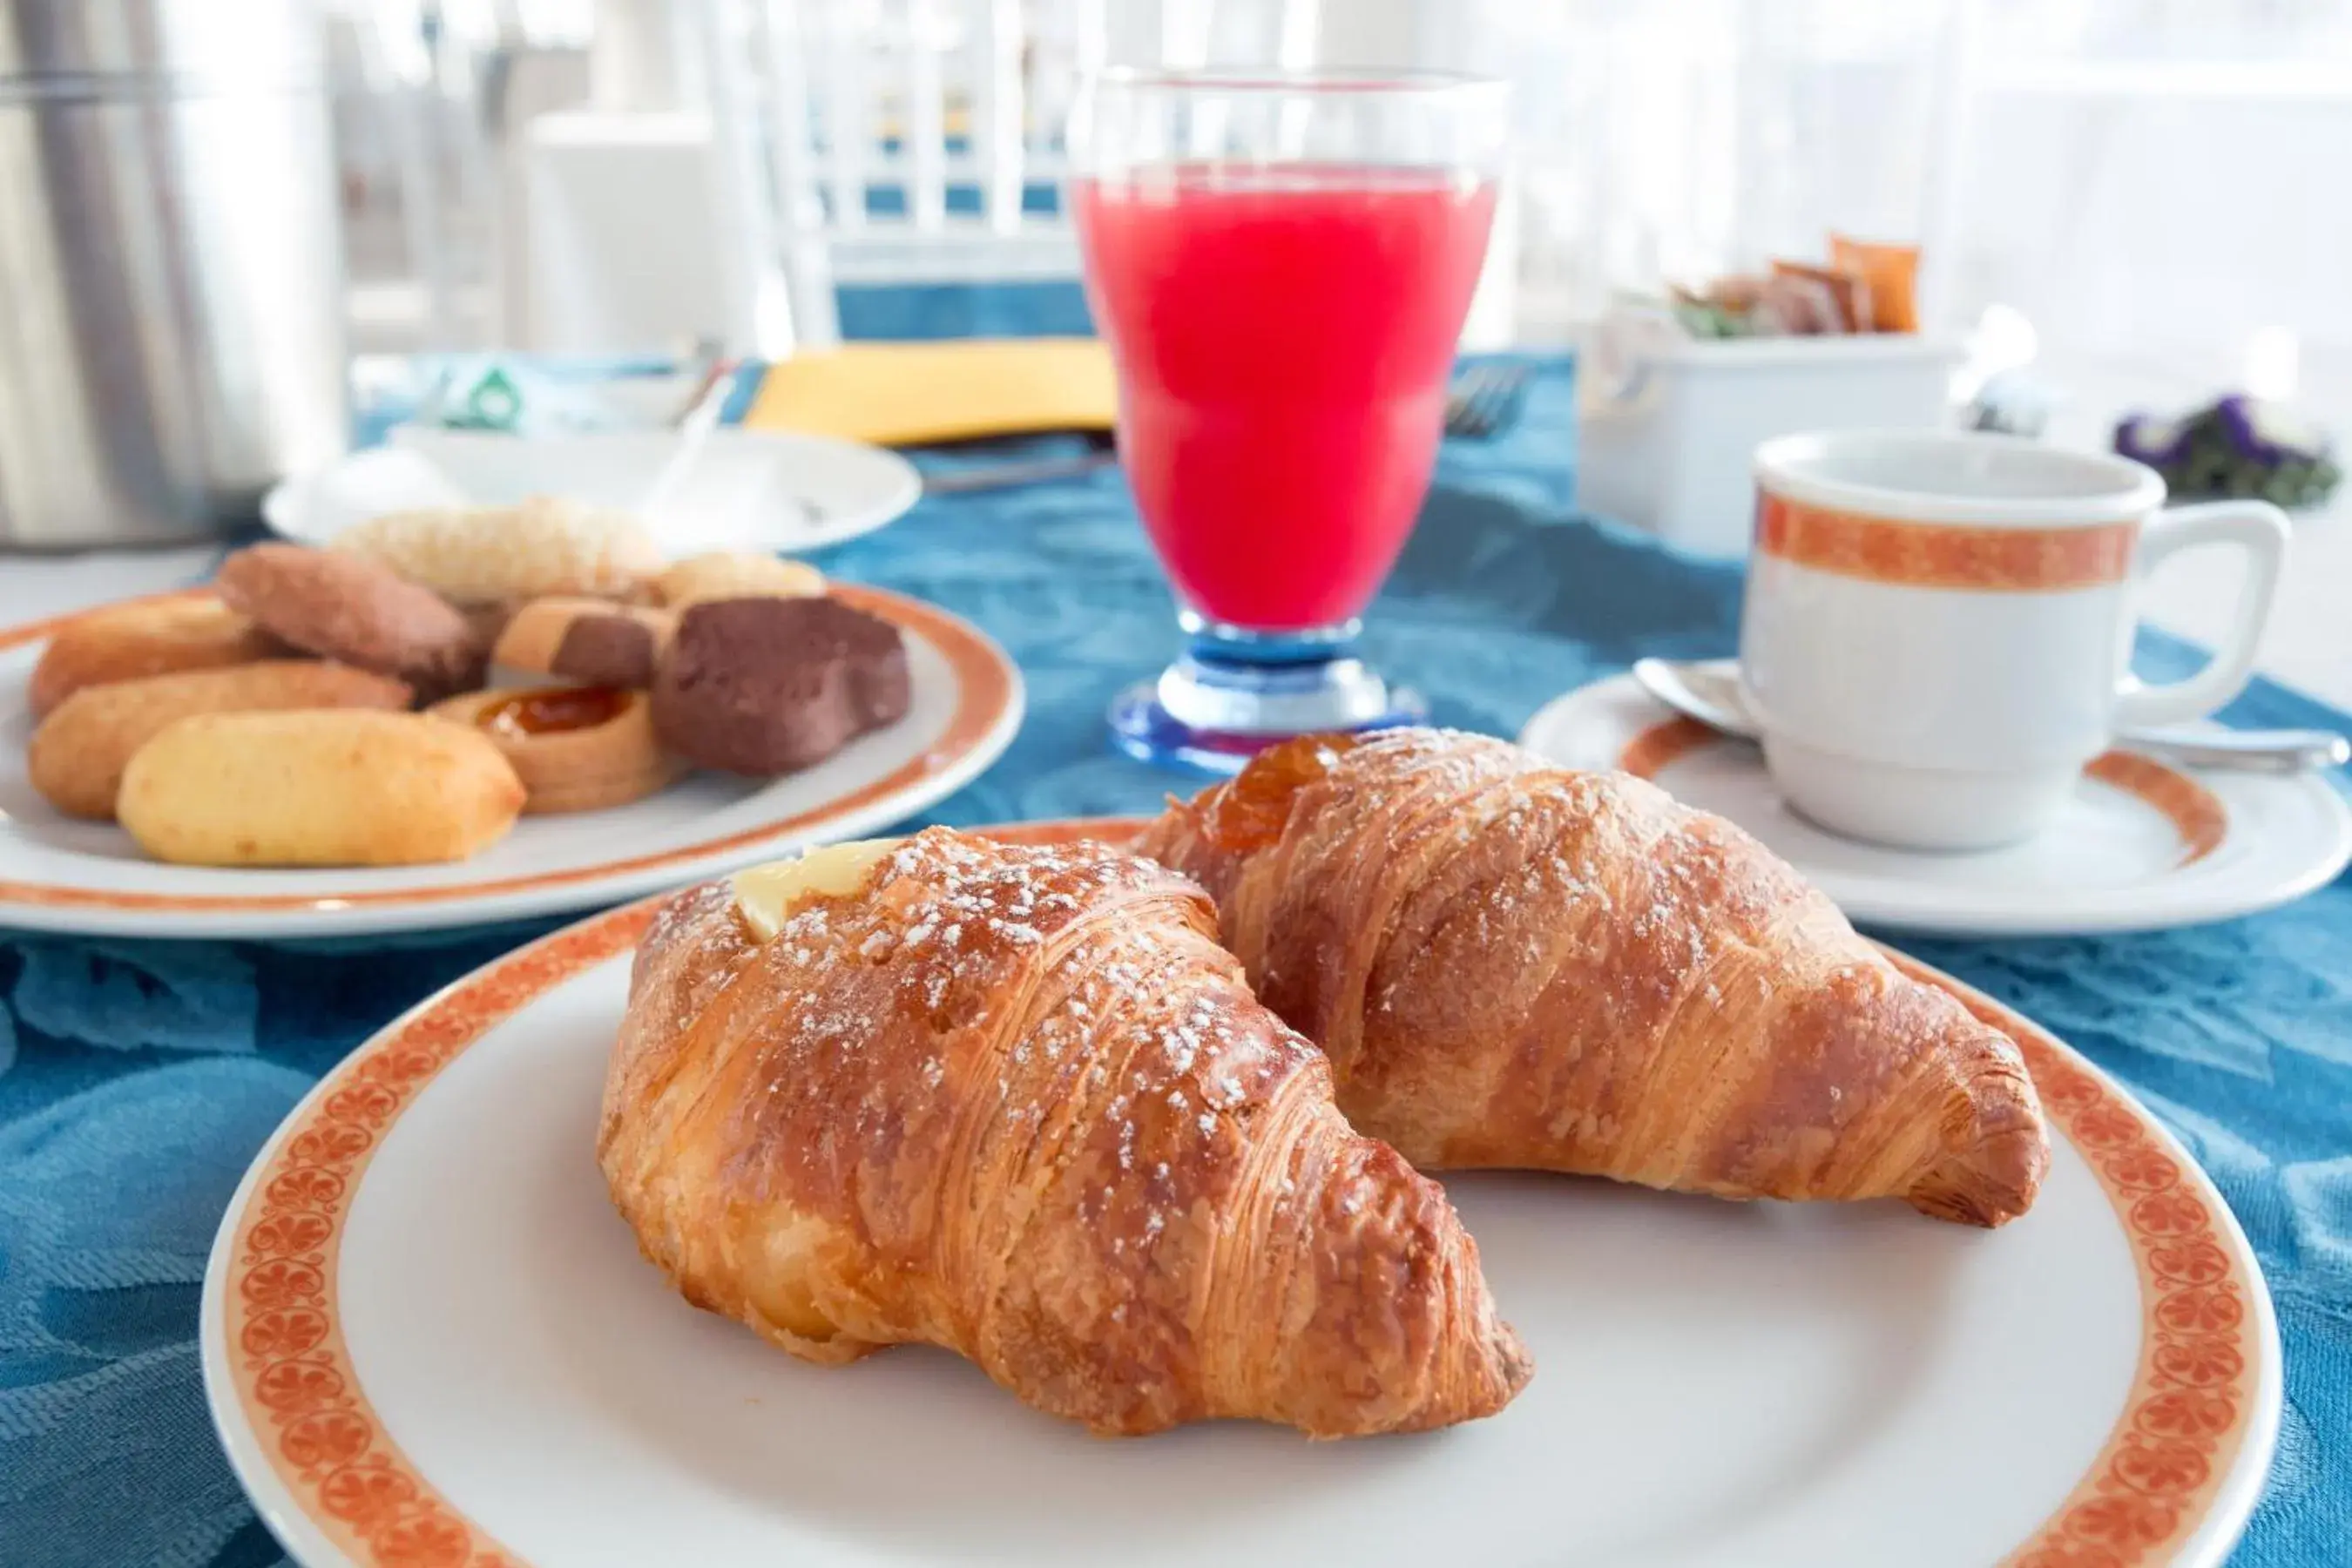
[[767, 686], [349, 608]]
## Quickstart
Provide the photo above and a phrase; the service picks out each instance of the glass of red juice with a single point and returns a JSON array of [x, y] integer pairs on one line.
[[1280, 264]]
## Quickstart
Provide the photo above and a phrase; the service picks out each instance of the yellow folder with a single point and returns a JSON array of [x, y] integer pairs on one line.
[[903, 394]]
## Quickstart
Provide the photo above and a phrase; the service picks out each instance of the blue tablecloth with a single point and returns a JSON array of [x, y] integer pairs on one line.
[[137, 1079]]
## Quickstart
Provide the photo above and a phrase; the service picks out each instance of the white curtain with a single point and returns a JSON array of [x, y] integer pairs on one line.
[[2151, 191]]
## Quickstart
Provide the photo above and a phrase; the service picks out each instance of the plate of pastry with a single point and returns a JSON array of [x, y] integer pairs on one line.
[[767, 490], [2141, 846], [968, 1198], [441, 721]]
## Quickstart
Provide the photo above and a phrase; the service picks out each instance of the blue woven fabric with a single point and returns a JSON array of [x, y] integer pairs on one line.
[[137, 1079]]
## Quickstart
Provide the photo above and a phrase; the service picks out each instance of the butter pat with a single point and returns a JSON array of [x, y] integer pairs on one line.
[[767, 895]]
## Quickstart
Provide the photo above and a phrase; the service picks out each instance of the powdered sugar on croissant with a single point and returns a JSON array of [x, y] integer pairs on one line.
[[1017, 1102], [1514, 964]]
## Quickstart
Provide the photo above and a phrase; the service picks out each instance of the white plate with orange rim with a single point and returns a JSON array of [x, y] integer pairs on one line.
[[427, 1338], [60, 874], [2142, 845]]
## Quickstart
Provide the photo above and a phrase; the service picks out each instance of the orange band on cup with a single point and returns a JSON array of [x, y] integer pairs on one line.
[[1942, 555]]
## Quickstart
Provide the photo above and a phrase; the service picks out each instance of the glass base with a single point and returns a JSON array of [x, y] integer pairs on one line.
[[1234, 692]]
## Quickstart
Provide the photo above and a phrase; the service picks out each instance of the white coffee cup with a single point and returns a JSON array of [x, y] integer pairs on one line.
[[1939, 626]]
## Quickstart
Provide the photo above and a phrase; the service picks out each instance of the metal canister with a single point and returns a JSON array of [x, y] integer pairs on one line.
[[171, 266]]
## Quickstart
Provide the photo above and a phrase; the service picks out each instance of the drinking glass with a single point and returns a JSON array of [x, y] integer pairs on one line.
[[1280, 263]]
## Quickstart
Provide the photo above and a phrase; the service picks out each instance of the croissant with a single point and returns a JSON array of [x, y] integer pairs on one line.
[[1018, 1103], [1513, 965]]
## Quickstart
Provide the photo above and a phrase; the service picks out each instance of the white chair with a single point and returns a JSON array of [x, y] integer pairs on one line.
[[850, 142], [417, 241], [887, 142]]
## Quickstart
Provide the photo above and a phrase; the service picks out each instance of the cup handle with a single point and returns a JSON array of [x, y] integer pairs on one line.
[[2260, 530]]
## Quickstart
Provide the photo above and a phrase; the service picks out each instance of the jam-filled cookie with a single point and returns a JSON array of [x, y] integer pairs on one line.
[[592, 641], [344, 607], [575, 748], [769, 686]]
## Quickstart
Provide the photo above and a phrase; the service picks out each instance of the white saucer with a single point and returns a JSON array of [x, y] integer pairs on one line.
[[427, 1338], [747, 489], [2141, 846]]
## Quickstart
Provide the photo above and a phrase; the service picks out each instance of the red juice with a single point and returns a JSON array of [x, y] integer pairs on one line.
[[1283, 337]]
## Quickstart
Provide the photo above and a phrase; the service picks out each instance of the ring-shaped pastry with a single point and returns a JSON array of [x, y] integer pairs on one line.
[[575, 748]]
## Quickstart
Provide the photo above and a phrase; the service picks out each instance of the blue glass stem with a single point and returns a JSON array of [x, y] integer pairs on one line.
[[1234, 691]]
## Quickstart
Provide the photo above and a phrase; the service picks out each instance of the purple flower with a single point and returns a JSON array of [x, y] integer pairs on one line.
[[2265, 432], [2145, 438]]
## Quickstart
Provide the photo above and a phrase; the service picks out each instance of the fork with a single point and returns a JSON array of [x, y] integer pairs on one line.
[[1484, 400]]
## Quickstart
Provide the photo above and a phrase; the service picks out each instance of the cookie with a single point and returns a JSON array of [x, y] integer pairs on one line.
[[317, 788], [767, 686], [345, 608], [592, 642], [130, 642], [726, 574], [78, 754], [475, 555], [489, 622], [575, 748]]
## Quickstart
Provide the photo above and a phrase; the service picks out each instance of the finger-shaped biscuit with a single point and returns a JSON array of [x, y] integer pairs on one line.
[[128, 642], [345, 608], [317, 788], [78, 754]]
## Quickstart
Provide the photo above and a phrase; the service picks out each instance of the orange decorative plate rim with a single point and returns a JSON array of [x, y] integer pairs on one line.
[[2235, 842], [2181, 1468], [987, 711], [2195, 812]]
